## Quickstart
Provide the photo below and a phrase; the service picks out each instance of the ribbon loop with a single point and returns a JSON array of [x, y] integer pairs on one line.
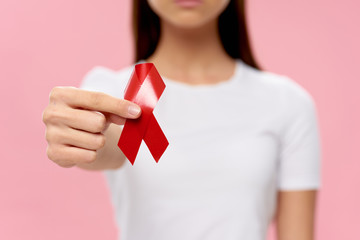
[[144, 88]]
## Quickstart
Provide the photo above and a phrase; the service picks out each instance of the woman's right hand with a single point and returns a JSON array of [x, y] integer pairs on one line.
[[76, 120]]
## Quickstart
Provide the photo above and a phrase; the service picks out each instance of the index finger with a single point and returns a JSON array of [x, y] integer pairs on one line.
[[101, 102]]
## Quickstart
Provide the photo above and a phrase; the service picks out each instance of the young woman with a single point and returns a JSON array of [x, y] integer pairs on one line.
[[243, 143]]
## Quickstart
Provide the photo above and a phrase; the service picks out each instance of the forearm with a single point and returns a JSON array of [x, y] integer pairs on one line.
[[295, 215], [110, 156]]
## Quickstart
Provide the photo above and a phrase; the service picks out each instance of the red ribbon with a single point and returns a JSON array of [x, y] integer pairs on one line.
[[144, 88]]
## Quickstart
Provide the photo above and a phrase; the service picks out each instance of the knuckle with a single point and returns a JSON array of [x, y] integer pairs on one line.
[[52, 135], [66, 164], [48, 152], [45, 115], [48, 135], [91, 156], [53, 115], [55, 93], [100, 141], [55, 155], [51, 153], [100, 123], [61, 94]]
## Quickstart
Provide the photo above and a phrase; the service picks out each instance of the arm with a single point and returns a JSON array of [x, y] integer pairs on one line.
[[295, 215]]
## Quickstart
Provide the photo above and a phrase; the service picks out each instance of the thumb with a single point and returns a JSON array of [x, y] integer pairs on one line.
[[113, 118], [116, 119]]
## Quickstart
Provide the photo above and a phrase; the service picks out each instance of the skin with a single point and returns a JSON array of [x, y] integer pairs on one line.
[[82, 127], [79, 128]]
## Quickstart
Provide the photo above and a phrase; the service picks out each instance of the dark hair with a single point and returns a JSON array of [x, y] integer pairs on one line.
[[232, 30]]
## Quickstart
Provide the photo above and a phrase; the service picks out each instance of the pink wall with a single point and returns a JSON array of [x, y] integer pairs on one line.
[[48, 43]]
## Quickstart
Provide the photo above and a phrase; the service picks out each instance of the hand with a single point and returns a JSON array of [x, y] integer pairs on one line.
[[75, 122]]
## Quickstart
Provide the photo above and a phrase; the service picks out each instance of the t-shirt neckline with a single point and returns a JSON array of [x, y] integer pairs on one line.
[[231, 80]]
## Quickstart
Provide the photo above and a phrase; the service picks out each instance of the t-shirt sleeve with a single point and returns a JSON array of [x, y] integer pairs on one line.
[[102, 79], [300, 153], [91, 80]]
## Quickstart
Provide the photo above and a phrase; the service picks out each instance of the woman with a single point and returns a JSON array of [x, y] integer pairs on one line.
[[244, 144]]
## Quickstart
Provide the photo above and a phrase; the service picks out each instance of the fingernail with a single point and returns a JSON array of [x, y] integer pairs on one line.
[[134, 110]]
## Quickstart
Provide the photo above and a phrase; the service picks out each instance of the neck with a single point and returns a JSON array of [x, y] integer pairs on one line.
[[192, 55]]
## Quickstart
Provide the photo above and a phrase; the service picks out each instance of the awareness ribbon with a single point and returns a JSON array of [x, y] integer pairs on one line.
[[144, 88]]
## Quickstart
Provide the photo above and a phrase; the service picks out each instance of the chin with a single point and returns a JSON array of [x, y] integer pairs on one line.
[[189, 21], [173, 12]]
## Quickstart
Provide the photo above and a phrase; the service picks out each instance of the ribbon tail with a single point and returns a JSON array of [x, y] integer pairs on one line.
[[130, 140], [155, 139]]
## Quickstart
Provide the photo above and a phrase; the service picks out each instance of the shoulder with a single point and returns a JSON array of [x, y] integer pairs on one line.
[[278, 87], [103, 79]]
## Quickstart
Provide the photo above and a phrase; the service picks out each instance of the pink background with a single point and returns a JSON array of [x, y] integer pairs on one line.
[[48, 43]]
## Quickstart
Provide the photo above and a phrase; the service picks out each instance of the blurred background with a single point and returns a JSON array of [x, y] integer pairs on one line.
[[54, 43]]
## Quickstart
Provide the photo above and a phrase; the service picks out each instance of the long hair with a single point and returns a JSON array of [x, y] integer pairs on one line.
[[231, 24]]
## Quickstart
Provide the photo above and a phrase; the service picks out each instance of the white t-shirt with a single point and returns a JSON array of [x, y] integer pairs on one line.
[[232, 146]]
